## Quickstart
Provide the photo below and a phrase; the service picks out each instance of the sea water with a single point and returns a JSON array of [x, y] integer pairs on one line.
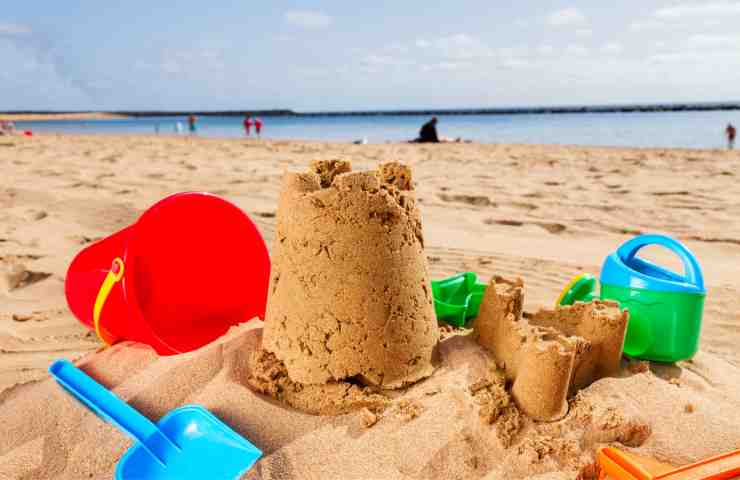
[[634, 129]]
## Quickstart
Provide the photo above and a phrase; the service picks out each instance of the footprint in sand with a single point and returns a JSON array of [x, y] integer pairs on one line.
[[664, 194], [17, 276], [508, 223], [554, 228], [475, 200], [25, 317], [39, 215]]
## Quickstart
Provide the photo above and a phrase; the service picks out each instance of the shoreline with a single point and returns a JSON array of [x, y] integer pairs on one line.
[[534, 110], [389, 143]]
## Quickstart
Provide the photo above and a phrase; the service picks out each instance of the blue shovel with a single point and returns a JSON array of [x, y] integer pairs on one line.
[[187, 443]]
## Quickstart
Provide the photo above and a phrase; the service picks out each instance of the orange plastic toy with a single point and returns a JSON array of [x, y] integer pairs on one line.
[[618, 465]]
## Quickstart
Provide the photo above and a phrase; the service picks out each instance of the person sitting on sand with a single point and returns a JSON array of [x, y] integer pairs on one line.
[[428, 132], [731, 132]]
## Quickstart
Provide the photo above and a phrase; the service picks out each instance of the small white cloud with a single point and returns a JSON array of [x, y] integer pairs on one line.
[[308, 19], [584, 32], [545, 50], [421, 43], [566, 16], [576, 50], [612, 48], [459, 46], [714, 41], [14, 29], [660, 44], [693, 10], [699, 58], [650, 24]]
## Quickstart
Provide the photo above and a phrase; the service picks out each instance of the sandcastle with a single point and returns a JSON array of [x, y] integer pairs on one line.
[[553, 353], [349, 296]]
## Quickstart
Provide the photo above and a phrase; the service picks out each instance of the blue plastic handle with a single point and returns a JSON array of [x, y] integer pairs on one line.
[[692, 271], [114, 410]]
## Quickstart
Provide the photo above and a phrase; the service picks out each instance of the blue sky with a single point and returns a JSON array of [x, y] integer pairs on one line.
[[338, 55]]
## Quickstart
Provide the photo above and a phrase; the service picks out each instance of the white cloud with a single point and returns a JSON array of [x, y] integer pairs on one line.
[[693, 10], [308, 19], [576, 50], [459, 46], [612, 48], [446, 66], [650, 24], [698, 58], [714, 41], [14, 29], [584, 32], [545, 50], [566, 16]]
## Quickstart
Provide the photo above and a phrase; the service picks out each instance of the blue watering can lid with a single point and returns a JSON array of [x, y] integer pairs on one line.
[[624, 269]]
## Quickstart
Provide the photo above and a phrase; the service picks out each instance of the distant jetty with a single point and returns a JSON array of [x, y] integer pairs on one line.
[[636, 108]]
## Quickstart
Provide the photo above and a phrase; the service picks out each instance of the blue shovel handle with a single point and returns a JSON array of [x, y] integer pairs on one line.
[[692, 270], [114, 410]]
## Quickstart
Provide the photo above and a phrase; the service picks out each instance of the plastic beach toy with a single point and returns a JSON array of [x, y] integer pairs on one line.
[[457, 298], [187, 443], [192, 266], [618, 465], [665, 307]]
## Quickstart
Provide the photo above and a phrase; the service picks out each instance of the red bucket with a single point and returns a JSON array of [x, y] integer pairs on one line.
[[192, 266]]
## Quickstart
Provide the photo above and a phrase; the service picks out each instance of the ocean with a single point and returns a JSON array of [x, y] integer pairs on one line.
[[694, 129]]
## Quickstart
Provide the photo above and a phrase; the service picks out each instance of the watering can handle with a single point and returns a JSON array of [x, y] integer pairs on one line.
[[692, 271], [107, 405]]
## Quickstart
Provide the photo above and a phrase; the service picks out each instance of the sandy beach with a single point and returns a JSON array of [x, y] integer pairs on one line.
[[542, 213]]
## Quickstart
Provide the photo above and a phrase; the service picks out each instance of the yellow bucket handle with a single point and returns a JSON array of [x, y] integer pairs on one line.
[[114, 276]]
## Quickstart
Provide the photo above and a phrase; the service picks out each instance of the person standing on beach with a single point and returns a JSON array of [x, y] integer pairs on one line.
[[258, 125], [191, 123], [247, 124], [731, 133]]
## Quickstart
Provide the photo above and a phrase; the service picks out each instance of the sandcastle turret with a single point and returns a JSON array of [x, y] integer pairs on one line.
[[349, 290]]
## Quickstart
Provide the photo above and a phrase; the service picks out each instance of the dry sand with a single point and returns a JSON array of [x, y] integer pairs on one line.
[[539, 212]]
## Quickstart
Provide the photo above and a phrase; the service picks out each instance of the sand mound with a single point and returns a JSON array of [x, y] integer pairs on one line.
[[349, 290], [431, 430]]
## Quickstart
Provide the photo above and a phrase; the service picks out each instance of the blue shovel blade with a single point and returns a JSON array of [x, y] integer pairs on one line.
[[209, 449]]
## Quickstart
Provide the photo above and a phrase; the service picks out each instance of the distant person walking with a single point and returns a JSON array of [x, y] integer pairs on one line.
[[258, 125], [191, 123], [248, 124], [428, 132], [731, 133]]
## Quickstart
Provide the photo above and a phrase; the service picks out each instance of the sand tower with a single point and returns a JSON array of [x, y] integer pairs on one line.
[[551, 354], [349, 291]]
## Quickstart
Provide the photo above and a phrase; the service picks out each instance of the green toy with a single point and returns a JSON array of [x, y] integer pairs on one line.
[[457, 298], [665, 307]]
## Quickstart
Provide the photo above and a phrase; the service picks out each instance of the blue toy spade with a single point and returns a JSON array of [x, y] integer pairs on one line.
[[187, 443]]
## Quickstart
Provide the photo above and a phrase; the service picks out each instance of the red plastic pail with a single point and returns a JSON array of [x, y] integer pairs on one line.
[[192, 266]]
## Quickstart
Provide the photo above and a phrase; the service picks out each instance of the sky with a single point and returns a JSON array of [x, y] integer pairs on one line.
[[339, 55]]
